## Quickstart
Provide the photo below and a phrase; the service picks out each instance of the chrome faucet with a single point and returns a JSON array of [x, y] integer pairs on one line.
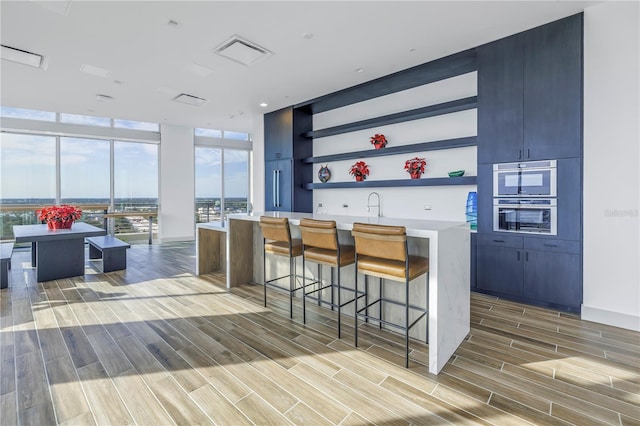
[[369, 205]]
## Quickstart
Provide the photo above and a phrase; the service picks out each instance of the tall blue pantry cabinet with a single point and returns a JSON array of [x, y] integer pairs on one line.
[[530, 108]]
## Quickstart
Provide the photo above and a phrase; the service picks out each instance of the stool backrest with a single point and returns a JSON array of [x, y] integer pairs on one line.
[[319, 233], [383, 241], [275, 228]]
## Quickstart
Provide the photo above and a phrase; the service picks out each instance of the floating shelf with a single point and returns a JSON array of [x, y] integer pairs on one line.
[[399, 117], [442, 181], [404, 149]]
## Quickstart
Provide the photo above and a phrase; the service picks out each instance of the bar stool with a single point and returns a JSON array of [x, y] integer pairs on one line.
[[277, 241], [381, 251], [320, 245]]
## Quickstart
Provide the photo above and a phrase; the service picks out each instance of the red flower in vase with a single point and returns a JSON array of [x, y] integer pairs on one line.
[[378, 141], [59, 216], [359, 170], [415, 167]]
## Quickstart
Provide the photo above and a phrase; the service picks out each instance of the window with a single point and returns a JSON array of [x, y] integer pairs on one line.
[[135, 171], [85, 119], [27, 169], [29, 114], [85, 171], [208, 185], [136, 125], [236, 180], [239, 136], [208, 132], [27, 176]]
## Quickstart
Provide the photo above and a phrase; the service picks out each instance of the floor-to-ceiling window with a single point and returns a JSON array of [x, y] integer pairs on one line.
[[222, 164], [97, 173], [27, 177]]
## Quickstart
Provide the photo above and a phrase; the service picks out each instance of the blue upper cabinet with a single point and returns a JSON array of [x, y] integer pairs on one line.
[[500, 108], [278, 134], [553, 90], [530, 94]]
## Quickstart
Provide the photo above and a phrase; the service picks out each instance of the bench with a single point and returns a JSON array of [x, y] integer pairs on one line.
[[6, 250], [112, 251]]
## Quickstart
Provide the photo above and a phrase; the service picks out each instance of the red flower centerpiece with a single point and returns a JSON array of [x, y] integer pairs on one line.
[[378, 141], [360, 170], [415, 167], [59, 217]]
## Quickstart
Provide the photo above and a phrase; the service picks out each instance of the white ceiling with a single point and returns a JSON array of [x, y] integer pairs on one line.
[[154, 61]]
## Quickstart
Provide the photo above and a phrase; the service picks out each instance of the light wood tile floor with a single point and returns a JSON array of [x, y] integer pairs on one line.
[[156, 345]]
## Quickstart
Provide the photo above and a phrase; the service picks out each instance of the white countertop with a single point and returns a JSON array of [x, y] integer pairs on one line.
[[415, 227], [215, 226]]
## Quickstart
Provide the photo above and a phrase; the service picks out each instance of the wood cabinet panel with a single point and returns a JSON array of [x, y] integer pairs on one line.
[[500, 108], [553, 90]]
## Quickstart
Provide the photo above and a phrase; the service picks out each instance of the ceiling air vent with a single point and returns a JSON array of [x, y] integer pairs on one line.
[[242, 51], [189, 99], [21, 56]]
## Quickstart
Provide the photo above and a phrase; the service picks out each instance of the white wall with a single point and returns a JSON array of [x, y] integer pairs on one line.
[[611, 162], [257, 182], [177, 191], [445, 202]]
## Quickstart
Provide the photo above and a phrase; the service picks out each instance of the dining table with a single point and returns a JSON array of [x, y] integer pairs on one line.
[[56, 253]]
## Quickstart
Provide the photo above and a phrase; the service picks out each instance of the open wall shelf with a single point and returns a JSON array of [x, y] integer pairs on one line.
[[441, 181], [399, 117], [404, 149]]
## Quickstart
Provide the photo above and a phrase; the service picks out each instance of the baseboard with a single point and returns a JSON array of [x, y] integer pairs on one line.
[[177, 239], [616, 319]]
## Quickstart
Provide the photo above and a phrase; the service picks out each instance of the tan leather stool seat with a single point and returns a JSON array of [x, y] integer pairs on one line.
[[393, 269], [282, 247], [330, 257]]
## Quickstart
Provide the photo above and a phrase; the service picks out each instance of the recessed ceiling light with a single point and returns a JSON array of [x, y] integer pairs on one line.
[[104, 98], [118, 82], [359, 69], [190, 99], [308, 36], [21, 56], [242, 51], [264, 104], [93, 70]]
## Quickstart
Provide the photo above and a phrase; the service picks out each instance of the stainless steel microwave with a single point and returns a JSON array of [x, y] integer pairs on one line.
[[527, 179], [535, 216]]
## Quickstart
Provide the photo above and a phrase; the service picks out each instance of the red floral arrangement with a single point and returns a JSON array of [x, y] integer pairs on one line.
[[360, 170], [59, 216], [415, 167], [378, 140]]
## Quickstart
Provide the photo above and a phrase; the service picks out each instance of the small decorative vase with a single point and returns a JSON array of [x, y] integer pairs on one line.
[[416, 174], [59, 224], [359, 178], [378, 145]]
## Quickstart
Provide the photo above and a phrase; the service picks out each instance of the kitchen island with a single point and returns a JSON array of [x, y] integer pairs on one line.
[[446, 244]]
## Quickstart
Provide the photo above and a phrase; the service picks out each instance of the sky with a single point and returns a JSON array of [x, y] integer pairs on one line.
[[28, 163]]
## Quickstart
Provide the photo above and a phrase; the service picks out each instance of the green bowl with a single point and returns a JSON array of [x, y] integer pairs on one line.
[[456, 173]]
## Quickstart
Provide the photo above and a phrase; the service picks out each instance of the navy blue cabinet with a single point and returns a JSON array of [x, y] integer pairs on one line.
[[278, 185], [500, 107], [499, 265], [530, 94], [536, 270], [278, 134], [285, 147], [553, 90]]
